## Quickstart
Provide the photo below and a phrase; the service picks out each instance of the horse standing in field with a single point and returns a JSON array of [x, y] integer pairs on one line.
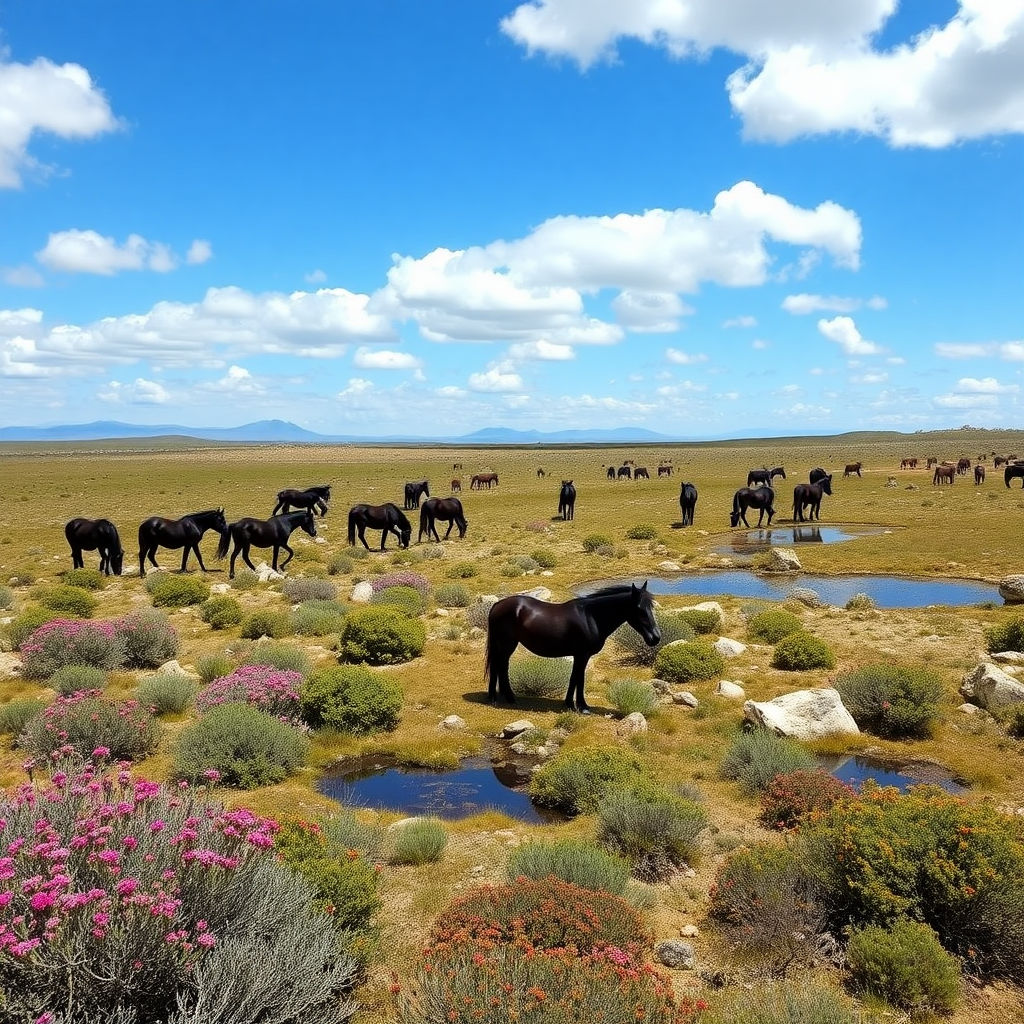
[[908, 463], [611, 473], [540, 473], [765, 476], [185, 532], [456, 485], [853, 467], [388, 518], [999, 461], [817, 475], [1012, 471], [478, 480], [456, 466], [445, 509], [944, 474], [962, 466], [264, 533], [567, 501], [932, 461], [809, 495], [414, 491], [979, 474], [314, 498], [640, 473], [664, 471], [95, 535], [576, 629], [687, 503], [624, 471], [763, 499]]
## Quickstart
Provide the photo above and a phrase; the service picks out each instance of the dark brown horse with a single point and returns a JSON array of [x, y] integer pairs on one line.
[[624, 471], [567, 501], [853, 467], [640, 473], [979, 474], [264, 533], [576, 629], [414, 491], [809, 496], [481, 480], [664, 471], [1013, 470], [540, 473], [445, 509], [908, 463], [962, 466], [687, 503], [95, 535], [761, 498], [932, 461], [388, 518], [456, 485], [765, 476], [817, 475], [314, 498], [186, 532], [611, 473], [944, 473]]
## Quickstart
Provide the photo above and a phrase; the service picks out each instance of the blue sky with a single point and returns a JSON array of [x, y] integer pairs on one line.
[[702, 217]]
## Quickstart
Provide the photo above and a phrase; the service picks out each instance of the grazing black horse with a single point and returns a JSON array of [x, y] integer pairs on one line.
[[95, 535], [818, 474], [687, 503], [664, 471], [763, 499], [577, 628], [314, 498], [388, 518], [414, 491], [264, 533], [185, 532], [640, 473], [765, 476], [611, 473], [624, 471], [810, 495], [444, 509], [1013, 469], [567, 501]]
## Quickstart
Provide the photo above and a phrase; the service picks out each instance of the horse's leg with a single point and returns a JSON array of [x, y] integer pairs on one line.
[[234, 555], [276, 507], [362, 536], [245, 546], [384, 537], [448, 532], [576, 677], [277, 549], [199, 556]]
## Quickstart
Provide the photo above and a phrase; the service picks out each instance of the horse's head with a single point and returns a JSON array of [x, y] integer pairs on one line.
[[641, 616], [308, 522], [117, 560], [734, 519], [220, 523], [404, 536], [826, 483]]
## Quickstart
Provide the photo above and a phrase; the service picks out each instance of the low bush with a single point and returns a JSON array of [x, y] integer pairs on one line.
[[1011, 718], [512, 569], [533, 676], [61, 642], [68, 600], [87, 579], [241, 745], [174, 591], [402, 578], [265, 622], [286, 657], [573, 860], [636, 648], [167, 693], [297, 589], [790, 797], [630, 695], [461, 570], [905, 965], [801, 651], [702, 621], [1006, 636], [149, 638], [245, 579], [408, 599], [890, 700], [22, 626], [85, 722], [477, 613], [421, 841], [381, 636], [594, 541], [861, 603], [72, 678], [787, 1002], [576, 780], [452, 595], [6, 598], [754, 758], [271, 690], [352, 699], [772, 625], [642, 531], [213, 666], [221, 612], [17, 713], [319, 618], [544, 558], [339, 564], [687, 663]]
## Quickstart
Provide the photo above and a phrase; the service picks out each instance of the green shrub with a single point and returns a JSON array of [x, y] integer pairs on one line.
[[452, 595], [477, 613], [286, 657], [544, 558], [576, 780], [905, 965], [1006, 636], [408, 599], [702, 621], [308, 588], [221, 612], [593, 541], [68, 600], [339, 564], [892, 701], [214, 666], [801, 651], [22, 626], [630, 695], [461, 570], [6, 598], [72, 678], [381, 636], [350, 698], [149, 638], [572, 860], [1011, 717], [265, 622], [421, 841], [642, 531], [772, 625], [790, 797], [87, 579], [319, 618], [685, 663], [246, 747], [17, 713], [861, 603], [245, 579], [174, 591], [167, 693], [512, 569], [636, 648], [533, 676], [754, 758], [787, 1002]]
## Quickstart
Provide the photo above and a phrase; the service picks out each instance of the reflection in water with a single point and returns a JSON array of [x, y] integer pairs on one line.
[[752, 542], [855, 771]]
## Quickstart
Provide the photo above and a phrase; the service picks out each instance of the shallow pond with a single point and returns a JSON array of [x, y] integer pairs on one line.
[[856, 770], [753, 542]]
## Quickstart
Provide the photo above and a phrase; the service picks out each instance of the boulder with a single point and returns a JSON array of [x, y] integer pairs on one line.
[[267, 573], [362, 593], [802, 715], [685, 698], [675, 954], [10, 665], [808, 597], [220, 588], [1011, 588], [705, 606], [727, 688], [516, 727], [668, 566], [174, 668], [661, 686], [989, 687], [729, 648], [453, 722], [541, 593], [782, 560], [632, 725], [1008, 657]]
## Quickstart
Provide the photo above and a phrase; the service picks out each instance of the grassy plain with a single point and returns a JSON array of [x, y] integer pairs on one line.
[[961, 531]]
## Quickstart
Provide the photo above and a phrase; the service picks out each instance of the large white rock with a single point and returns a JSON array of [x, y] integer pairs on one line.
[[520, 725], [727, 688], [1011, 588], [362, 593], [782, 560], [802, 715], [705, 606], [632, 725], [1009, 657], [989, 687], [729, 648]]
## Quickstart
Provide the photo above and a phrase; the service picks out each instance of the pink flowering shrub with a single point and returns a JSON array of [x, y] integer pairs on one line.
[[273, 690], [61, 642], [120, 897], [402, 578]]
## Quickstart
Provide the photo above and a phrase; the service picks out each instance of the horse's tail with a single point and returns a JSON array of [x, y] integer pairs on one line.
[[736, 504], [424, 522], [225, 543], [351, 526]]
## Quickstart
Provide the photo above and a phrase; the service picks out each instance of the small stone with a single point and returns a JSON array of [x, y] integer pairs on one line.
[[689, 931], [729, 648], [516, 727], [362, 593], [547, 572], [453, 722], [220, 588], [686, 698], [661, 686], [540, 593], [782, 560], [675, 954], [632, 725], [441, 613], [477, 869], [669, 566], [727, 688]]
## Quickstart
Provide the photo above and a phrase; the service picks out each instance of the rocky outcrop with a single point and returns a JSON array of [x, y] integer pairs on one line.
[[802, 715], [1011, 589], [781, 560], [989, 687]]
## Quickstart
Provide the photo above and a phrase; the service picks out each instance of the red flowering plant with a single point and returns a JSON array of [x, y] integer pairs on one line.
[[792, 796]]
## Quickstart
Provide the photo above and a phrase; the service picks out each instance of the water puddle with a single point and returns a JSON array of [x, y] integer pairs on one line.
[[754, 542], [856, 770]]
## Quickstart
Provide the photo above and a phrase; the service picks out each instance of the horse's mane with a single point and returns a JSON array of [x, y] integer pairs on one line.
[[615, 590], [205, 512]]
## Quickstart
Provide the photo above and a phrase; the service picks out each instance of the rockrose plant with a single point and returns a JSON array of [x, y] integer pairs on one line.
[[275, 691]]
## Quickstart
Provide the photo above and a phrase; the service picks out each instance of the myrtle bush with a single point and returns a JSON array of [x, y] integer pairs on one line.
[[576, 780], [213, 666], [241, 745], [319, 618], [61, 642], [686, 663], [85, 722], [174, 591], [71, 678], [702, 621], [419, 842], [593, 541], [573, 860], [265, 622], [890, 700], [461, 570], [339, 564], [352, 699], [407, 599], [381, 636], [221, 612], [642, 531], [798, 1001], [1006, 636], [791, 796], [636, 648], [801, 651], [149, 638], [87, 579], [308, 588], [905, 965], [452, 595], [402, 578], [544, 558], [6, 598], [631, 695], [16, 714], [271, 690], [67, 600], [167, 693], [533, 676], [772, 625], [245, 579], [286, 657], [861, 603], [180, 913], [754, 758], [22, 626]]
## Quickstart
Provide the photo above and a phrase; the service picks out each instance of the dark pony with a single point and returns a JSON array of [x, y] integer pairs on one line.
[[388, 518], [264, 533], [314, 498], [853, 467], [817, 475], [664, 471], [540, 473], [185, 532], [449, 509], [765, 476], [687, 503], [640, 473], [414, 491], [456, 485], [611, 473], [576, 629], [567, 501], [979, 474], [962, 466], [805, 495], [763, 499], [1013, 469], [477, 481], [946, 474], [624, 471], [95, 535]]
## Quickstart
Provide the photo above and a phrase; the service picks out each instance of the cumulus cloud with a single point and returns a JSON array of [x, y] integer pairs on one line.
[[953, 401], [237, 381], [384, 359], [804, 303], [844, 333], [649, 312], [316, 277], [985, 386], [499, 378], [140, 392], [760, 343], [681, 358], [541, 350], [741, 321], [870, 378], [199, 252], [88, 252]]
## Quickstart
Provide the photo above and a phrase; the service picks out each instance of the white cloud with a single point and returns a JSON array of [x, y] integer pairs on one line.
[[680, 358], [356, 386], [499, 378], [383, 359], [844, 333], [141, 392], [760, 343], [199, 252], [964, 401], [649, 312], [1011, 351], [22, 276], [541, 350], [237, 381], [985, 386], [741, 321], [896, 361], [804, 303], [44, 97], [802, 411], [316, 277], [870, 378], [88, 252]]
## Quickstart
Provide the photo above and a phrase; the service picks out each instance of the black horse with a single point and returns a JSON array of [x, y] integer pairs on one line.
[[388, 518], [577, 628], [624, 471], [414, 491], [185, 532], [444, 509], [818, 474], [763, 499], [95, 535], [264, 533], [567, 501], [764, 476], [687, 503], [809, 495], [1013, 469], [611, 473], [314, 498]]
